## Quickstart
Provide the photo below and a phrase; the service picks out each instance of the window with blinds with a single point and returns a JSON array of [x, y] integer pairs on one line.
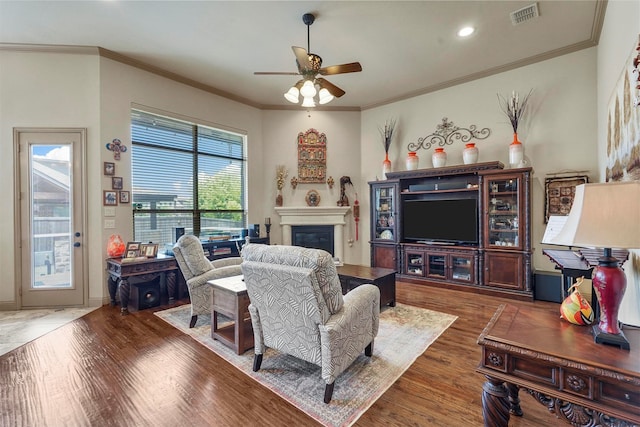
[[185, 175]]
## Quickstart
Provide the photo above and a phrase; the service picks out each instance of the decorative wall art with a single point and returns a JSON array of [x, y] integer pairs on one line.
[[117, 147], [446, 133], [559, 194], [312, 157], [623, 124]]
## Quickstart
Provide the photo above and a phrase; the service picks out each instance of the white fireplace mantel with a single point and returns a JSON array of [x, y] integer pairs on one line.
[[315, 215]]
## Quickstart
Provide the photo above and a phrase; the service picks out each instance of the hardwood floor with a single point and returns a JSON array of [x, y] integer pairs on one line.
[[136, 370]]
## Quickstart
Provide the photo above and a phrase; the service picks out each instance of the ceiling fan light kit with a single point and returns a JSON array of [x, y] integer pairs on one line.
[[309, 66]]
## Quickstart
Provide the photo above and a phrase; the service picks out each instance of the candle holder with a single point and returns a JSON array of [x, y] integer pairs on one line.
[[267, 227]]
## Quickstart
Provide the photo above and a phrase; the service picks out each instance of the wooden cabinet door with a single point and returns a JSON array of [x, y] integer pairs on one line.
[[504, 270], [383, 256]]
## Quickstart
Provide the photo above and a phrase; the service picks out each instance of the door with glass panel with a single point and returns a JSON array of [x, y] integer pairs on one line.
[[51, 217]]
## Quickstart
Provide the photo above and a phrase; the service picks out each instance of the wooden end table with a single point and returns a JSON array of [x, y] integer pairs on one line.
[[561, 366], [352, 276], [229, 297]]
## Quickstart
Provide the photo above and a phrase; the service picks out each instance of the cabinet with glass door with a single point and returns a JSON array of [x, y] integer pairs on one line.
[[384, 223]]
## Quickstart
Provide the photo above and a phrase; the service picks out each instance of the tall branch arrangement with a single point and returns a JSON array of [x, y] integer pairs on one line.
[[387, 133], [513, 108]]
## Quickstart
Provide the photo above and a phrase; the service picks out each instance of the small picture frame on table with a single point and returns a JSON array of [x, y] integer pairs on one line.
[[109, 198], [109, 168], [116, 183], [133, 250], [124, 197], [149, 250]]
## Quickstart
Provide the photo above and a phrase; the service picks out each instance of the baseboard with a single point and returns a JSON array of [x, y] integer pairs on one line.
[[8, 306]]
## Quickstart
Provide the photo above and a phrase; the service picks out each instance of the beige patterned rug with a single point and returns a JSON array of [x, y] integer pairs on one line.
[[405, 333]]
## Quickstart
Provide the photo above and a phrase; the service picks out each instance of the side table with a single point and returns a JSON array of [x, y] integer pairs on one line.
[[229, 297], [352, 276], [560, 365]]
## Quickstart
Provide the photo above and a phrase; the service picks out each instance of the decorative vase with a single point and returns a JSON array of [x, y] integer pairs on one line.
[[516, 152], [470, 153], [412, 161], [115, 246], [609, 283], [439, 158], [386, 166], [279, 198]]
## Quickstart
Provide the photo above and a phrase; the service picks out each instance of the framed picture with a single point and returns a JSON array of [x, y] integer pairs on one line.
[[124, 197], [109, 168], [150, 250], [109, 198], [133, 249], [559, 194], [116, 183]]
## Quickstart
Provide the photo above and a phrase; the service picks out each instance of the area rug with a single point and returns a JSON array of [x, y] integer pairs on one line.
[[405, 333]]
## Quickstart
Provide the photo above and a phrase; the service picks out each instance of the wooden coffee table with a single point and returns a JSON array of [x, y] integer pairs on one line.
[[352, 276], [229, 297]]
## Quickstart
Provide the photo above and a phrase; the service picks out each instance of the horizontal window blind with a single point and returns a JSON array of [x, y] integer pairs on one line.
[[185, 175]]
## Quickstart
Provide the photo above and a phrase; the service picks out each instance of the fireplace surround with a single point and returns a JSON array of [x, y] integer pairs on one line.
[[315, 216]]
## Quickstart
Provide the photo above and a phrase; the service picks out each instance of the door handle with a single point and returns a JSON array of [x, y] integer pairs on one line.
[[77, 234], [76, 245]]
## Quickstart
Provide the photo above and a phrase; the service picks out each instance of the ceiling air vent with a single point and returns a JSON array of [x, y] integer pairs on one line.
[[524, 14]]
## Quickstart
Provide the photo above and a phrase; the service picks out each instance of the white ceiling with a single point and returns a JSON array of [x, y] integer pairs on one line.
[[405, 48]]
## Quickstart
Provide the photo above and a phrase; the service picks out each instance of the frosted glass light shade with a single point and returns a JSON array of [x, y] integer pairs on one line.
[[308, 102], [308, 90], [292, 95], [325, 96]]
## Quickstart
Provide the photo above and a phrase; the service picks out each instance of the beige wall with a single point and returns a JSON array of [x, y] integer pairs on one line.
[[559, 132], [620, 36]]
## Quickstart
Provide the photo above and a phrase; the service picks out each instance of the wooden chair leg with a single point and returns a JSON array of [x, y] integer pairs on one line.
[[193, 321], [257, 362], [368, 351], [328, 392]]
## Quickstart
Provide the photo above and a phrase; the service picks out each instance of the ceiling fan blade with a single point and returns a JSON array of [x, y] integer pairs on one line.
[[275, 73], [352, 67], [302, 57], [333, 89]]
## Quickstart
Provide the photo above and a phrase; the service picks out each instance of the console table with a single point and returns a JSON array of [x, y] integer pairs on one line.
[[122, 272], [559, 364]]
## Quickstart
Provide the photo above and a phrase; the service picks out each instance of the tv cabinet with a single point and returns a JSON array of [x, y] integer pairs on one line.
[[498, 264]]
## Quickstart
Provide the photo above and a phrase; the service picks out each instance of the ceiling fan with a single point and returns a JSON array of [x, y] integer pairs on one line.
[[309, 67]]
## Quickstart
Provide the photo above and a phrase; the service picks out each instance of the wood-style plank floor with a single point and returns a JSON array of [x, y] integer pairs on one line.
[[136, 370]]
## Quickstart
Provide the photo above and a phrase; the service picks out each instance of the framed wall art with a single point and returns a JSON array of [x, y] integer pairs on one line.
[[109, 168], [312, 157], [116, 183], [124, 197], [109, 198], [559, 194]]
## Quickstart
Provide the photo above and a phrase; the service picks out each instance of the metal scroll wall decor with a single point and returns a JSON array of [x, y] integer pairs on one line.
[[446, 133], [312, 157]]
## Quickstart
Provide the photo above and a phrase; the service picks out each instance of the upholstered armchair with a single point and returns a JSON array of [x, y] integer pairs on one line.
[[198, 270], [297, 308]]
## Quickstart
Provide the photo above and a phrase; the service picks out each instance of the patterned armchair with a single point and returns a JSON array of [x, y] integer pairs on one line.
[[198, 270], [297, 308]]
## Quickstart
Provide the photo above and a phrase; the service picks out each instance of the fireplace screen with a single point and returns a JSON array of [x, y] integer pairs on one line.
[[313, 236]]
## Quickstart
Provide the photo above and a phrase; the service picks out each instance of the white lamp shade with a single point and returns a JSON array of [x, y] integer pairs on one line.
[[308, 102], [603, 215], [308, 90], [292, 95], [325, 96]]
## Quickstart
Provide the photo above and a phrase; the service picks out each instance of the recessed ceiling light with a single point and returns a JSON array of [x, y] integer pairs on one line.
[[466, 31]]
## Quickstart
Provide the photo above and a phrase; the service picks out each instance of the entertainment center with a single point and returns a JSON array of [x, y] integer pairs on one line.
[[466, 227]]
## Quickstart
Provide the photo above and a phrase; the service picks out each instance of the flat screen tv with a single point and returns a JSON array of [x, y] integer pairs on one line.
[[450, 221]]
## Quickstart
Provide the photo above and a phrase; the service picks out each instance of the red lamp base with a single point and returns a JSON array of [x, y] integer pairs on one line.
[[609, 284], [602, 337]]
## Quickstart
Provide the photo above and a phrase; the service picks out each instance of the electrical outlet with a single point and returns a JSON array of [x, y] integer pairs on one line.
[[109, 223], [109, 211]]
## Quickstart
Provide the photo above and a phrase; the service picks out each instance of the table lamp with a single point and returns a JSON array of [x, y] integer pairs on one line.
[[605, 215]]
